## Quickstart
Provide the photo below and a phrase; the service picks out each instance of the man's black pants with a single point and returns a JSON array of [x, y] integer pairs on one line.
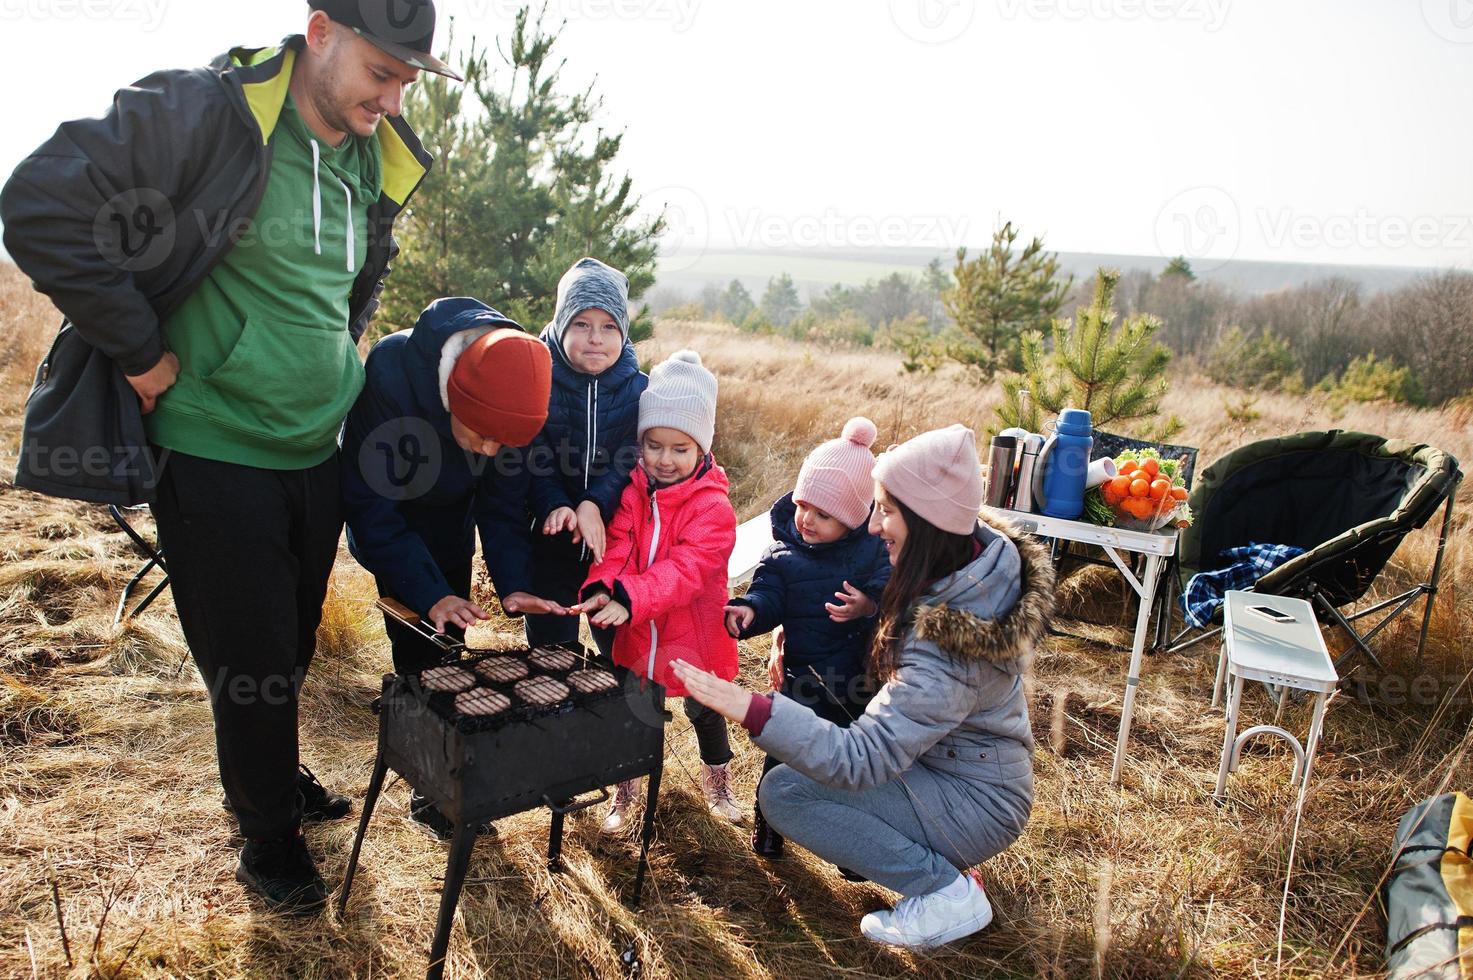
[[250, 551]]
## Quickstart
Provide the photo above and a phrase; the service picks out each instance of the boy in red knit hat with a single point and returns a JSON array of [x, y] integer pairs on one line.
[[432, 453]]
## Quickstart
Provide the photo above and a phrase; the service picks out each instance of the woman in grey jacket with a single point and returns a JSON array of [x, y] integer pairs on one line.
[[937, 774]]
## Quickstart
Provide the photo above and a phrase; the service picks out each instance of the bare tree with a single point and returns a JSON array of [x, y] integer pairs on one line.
[[1427, 326]]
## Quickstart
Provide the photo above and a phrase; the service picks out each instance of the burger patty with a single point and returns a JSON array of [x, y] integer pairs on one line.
[[448, 678]]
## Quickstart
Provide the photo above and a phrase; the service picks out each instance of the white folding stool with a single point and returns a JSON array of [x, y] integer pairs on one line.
[[1278, 641]]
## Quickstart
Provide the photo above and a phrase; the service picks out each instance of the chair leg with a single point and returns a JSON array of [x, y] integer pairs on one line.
[[1356, 640], [1447, 520]]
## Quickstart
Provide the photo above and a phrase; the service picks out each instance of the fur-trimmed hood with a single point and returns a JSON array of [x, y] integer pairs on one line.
[[961, 616]]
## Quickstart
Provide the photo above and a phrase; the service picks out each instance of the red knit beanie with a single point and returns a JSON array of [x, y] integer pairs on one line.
[[500, 387]]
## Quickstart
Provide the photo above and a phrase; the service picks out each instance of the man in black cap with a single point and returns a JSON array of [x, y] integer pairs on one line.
[[218, 241]]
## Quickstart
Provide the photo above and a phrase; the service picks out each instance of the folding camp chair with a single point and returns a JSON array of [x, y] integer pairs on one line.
[[153, 558], [1347, 498], [1109, 445]]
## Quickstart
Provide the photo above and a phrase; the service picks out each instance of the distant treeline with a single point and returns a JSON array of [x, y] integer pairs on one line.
[[1412, 345]]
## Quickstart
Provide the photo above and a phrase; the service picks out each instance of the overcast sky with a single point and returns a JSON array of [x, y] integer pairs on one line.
[[1297, 130]]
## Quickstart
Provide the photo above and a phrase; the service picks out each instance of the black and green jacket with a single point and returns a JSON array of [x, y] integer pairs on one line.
[[119, 218]]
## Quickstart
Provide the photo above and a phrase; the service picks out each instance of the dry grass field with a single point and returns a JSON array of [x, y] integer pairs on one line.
[[111, 827]]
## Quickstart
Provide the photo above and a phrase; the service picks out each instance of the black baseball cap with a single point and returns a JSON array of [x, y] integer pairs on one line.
[[404, 29]]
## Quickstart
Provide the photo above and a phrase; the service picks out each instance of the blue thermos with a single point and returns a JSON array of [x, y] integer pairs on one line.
[[1068, 465]]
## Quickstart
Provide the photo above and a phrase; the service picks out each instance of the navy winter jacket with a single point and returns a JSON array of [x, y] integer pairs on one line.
[[413, 498], [598, 411], [793, 582]]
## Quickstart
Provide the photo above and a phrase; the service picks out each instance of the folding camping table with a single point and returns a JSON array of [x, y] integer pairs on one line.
[[1157, 547]]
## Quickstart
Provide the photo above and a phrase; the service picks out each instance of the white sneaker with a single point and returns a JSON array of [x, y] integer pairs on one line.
[[930, 920], [621, 811], [716, 782]]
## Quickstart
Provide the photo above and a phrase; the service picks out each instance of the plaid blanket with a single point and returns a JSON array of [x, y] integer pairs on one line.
[[1205, 590]]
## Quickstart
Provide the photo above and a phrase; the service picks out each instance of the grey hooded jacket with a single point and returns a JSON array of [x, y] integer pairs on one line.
[[954, 717]]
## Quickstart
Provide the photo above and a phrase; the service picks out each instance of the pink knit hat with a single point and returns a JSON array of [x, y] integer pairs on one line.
[[838, 477], [937, 475]]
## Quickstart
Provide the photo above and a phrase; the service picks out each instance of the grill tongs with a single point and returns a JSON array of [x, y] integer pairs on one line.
[[412, 619]]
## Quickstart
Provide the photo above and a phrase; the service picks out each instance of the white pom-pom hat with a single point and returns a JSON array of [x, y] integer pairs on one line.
[[838, 477], [681, 396]]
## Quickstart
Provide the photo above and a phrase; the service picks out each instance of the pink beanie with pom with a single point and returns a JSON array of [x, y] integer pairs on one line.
[[837, 477]]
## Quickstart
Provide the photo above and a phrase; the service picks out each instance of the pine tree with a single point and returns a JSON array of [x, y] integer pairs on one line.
[[521, 190], [780, 303], [736, 303], [998, 296], [1114, 370], [1179, 266]]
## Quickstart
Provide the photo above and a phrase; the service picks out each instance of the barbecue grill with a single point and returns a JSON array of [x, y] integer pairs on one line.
[[483, 739]]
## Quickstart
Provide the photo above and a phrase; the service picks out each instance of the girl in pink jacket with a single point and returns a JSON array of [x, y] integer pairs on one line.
[[659, 591]]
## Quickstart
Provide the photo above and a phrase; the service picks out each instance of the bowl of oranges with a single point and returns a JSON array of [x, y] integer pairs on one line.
[[1146, 495]]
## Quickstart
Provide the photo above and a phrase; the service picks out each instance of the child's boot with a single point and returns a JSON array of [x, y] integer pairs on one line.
[[716, 782], [621, 811], [766, 842]]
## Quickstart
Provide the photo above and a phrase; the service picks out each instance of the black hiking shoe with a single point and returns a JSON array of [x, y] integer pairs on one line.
[[427, 815], [766, 842], [318, 803], [282, 872]]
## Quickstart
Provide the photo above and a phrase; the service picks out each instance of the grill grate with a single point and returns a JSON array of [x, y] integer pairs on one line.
[[536, 684]]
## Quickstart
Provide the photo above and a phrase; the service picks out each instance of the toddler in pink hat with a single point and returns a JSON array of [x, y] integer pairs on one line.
[[821, 581]]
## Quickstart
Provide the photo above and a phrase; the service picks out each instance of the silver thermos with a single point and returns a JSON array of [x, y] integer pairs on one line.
[[1027, 472], [1000, 471]]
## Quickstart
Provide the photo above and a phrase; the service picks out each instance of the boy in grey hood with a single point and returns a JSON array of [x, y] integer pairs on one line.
[[582, 459], [937, 775]]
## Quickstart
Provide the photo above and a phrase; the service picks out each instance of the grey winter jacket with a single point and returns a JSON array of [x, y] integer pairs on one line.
[[954, 717]]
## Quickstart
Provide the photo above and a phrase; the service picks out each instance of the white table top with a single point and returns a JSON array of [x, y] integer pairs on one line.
[[1162, 543], [1261, 649], [753, 538]]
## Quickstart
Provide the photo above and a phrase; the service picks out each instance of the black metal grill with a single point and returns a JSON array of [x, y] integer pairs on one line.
[[563, 732]]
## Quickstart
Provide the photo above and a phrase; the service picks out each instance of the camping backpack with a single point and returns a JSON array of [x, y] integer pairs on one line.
[[1429, 892]]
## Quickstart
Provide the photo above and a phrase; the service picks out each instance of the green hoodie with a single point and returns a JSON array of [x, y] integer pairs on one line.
[[268, 368]]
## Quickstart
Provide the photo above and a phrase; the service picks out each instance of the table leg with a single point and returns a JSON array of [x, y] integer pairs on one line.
[[1138, 648], [1316, 726], [1230, 735], [1221, 674]]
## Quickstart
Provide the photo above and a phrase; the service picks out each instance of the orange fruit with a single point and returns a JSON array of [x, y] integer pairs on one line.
[[1160, 488], [1128, 467], [1139, 507], [1152, 467], [1120, 486], [1179, 493], [1140, 488]]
